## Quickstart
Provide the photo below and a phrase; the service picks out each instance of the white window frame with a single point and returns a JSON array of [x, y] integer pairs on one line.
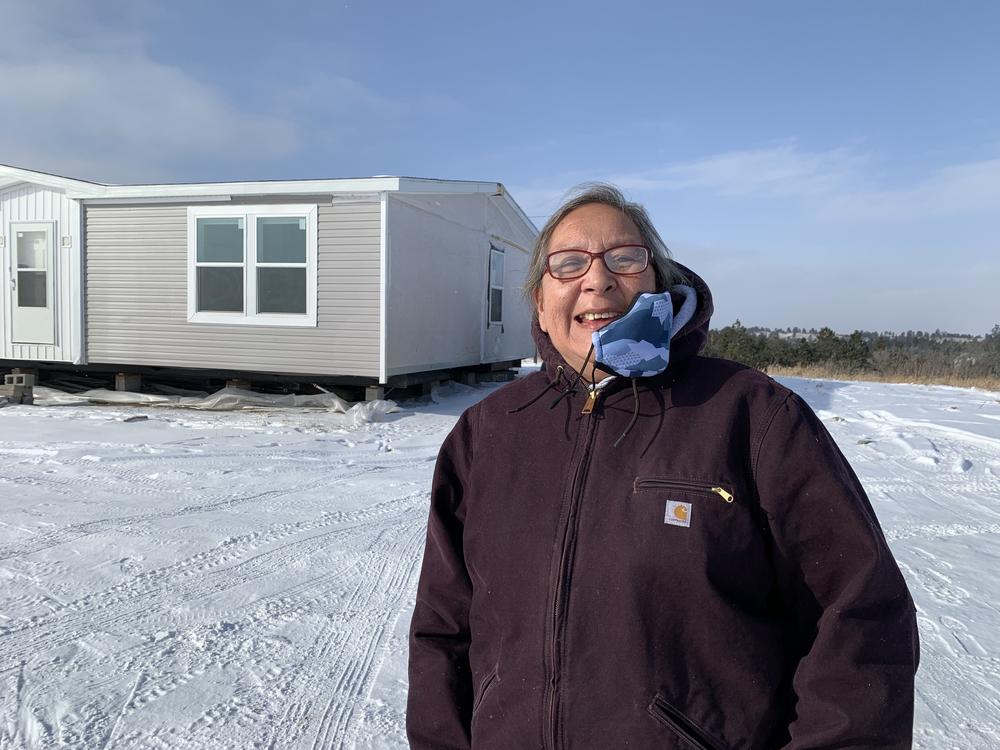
[[493, 285], [250, 214]]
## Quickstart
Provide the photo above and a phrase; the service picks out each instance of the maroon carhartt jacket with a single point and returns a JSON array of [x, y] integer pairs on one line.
[[718, 580]]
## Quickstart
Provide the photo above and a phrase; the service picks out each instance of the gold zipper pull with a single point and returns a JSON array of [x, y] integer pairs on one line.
[[723, 494], [590, 403]]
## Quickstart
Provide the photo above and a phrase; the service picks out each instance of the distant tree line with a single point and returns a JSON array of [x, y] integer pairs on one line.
[[914, 354]]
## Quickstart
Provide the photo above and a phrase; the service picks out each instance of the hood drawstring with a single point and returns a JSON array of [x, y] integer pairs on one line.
[[635, 413], [571, 390], [576, 381], [552, 384]]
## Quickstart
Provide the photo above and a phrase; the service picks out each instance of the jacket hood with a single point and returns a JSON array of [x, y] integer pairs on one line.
[[685, 344]]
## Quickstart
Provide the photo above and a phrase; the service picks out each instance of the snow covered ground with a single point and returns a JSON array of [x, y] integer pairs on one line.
[[244, 579]]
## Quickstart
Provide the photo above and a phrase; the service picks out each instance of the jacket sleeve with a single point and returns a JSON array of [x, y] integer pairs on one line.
[[439, 703], [854, 615]]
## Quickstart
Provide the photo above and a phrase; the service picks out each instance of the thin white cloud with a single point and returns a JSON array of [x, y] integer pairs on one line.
[[970, 189], [133, 106], [782, 170], [87, 96], [90, 99], [839, 245], [337, 95], [832, 185]]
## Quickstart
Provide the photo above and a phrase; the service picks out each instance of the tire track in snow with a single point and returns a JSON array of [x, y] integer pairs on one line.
[[245, 710], [343, 651], [936, 530], [342, 715], [954, 663], [217, 502], [140, 599]]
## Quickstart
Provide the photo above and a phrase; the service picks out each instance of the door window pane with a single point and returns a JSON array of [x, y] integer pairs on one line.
[[31, 289], [31, 249], [220, 289], [220, 240], [281, 239], [496, 285], [496, 268], [496, 305], [281, 290]]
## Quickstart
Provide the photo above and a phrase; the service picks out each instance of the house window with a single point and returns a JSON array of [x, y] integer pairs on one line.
[[252, 265], [496, 286], [220, 266]]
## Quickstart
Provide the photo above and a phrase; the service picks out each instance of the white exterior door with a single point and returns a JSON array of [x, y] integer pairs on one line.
[[32, 276], [493, 335]]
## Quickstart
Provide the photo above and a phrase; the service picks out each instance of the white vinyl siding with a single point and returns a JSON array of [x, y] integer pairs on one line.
[[137, 287]]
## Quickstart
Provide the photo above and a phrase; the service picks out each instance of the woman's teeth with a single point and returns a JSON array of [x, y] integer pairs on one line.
[[598, 316]]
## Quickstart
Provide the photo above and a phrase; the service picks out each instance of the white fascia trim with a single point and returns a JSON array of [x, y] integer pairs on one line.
[[495, 189], [519, 212], [73, 188], [162, 200], [425, 185], [261, 189], [383, 284]]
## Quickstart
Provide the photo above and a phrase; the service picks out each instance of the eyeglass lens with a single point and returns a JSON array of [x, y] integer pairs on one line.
[[624, 260]]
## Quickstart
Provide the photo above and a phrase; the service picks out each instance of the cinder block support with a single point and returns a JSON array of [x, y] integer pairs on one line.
[[22, 379], [241, 383], [128, 381], [374, 393], [468, 378], [17, 394]]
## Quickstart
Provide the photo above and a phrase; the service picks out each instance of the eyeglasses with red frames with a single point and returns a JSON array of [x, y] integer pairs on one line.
[[622, 260]]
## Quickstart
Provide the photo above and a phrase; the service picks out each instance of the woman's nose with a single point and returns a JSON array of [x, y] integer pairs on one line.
[[598, 278]]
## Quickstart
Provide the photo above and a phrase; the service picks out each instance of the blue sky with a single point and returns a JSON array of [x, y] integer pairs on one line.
[[817, 163]]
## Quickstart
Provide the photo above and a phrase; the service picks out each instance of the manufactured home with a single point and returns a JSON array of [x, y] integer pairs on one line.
[[368, 281]]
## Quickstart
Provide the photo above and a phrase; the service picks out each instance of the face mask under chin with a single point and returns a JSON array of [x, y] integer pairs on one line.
[[637, 345]]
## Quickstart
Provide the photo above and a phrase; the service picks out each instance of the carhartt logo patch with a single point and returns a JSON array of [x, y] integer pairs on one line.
[[678, 513]]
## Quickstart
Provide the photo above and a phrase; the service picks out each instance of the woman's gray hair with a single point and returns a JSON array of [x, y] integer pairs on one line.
[[666, 271]]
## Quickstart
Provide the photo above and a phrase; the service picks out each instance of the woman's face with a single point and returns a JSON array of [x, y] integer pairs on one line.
[[563, 306]]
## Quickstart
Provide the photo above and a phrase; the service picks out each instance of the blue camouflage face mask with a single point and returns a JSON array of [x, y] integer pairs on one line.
[[637, 345]]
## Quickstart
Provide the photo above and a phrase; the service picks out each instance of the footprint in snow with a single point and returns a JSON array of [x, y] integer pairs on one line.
[[930, 557], [960, 632]]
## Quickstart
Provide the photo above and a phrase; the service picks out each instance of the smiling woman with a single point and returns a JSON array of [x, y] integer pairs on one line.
[[571, 308], [670, 552]]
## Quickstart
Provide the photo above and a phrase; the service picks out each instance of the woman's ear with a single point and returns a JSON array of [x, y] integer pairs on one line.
[[539, 309]]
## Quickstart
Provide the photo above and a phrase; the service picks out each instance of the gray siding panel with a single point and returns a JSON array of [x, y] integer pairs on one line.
[[137, 298]]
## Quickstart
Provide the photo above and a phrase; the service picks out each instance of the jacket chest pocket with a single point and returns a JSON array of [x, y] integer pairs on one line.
[[687, 503], [700, 522], [681, 496]]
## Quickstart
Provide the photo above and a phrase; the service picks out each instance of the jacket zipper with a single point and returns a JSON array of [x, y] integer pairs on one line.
[[680, 484], [564, 573], [681, 725]]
